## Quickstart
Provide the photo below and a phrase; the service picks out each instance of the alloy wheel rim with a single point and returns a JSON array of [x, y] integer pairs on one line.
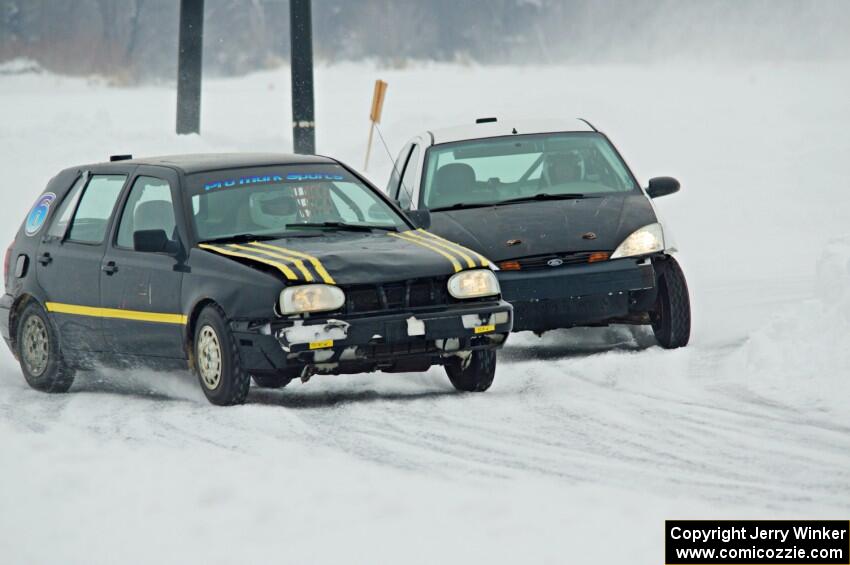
[[35, 346], [209, 358]]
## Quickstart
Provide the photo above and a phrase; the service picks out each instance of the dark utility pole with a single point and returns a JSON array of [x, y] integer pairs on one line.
[[189, 66], [301, 55]]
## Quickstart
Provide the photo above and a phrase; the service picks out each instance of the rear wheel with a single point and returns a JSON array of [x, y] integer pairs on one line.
[[477, 375], [39, 353], [671, 317], [217, 361]]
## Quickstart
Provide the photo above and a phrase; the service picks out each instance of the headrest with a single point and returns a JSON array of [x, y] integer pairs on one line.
[[455, 176], [563, 167], [154, 215]]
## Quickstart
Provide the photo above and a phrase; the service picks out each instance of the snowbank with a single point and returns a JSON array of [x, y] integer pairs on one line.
[[799, 359], [20, 67]]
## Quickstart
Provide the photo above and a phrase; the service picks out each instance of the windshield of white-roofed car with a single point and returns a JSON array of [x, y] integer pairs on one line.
[[485, 171], [284, 201]]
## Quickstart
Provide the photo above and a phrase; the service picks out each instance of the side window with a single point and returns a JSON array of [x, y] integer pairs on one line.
[[95, 209], [149, 207], [408, 179], [66, 210]]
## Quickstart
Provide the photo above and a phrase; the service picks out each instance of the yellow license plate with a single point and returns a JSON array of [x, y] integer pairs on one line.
[[324, 344], [485, 329]]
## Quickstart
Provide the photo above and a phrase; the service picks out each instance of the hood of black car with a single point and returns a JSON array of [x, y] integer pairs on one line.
[[526, 229], [347, 258]]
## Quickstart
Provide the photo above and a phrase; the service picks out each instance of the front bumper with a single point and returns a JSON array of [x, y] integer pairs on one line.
[[398, 341], [579, 295]]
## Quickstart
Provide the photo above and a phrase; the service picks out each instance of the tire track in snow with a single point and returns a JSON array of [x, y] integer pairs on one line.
[[569, 407]]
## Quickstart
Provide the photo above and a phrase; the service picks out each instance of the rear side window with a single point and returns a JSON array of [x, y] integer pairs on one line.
[[95, 209], [149, 207], [66, 210]]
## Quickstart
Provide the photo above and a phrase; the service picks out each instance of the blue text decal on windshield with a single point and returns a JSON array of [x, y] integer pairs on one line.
[[313, 176], [266, 179]]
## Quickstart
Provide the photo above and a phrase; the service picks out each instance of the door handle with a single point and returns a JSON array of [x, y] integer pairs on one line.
[[45, 259], [110, 268]]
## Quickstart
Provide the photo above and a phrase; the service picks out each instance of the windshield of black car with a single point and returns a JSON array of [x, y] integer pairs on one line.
[[275, 200], [508, 168]]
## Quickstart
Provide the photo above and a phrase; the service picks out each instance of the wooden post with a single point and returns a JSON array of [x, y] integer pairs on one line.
[[375, 115]]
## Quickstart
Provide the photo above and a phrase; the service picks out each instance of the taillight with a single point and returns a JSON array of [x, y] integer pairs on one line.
[[7, 260]]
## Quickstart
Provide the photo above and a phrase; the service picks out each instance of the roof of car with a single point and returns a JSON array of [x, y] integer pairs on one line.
[[198, 162], [506, 127]]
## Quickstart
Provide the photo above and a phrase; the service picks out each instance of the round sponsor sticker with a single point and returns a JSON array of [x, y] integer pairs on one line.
[[39, 213]]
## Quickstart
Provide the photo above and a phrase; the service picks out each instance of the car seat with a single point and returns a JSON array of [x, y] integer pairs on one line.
[[451, 183], [562, 168], [155, 215]]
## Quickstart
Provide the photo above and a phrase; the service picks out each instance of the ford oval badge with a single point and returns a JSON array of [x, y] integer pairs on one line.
[[555, 262]]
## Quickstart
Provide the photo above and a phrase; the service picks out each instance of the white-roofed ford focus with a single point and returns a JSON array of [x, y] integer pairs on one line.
[[554, 205]]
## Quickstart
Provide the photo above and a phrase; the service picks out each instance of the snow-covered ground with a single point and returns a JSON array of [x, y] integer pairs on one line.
[[587, 441]]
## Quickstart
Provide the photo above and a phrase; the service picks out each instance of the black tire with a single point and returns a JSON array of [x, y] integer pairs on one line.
[[273, 381], [217, 361], [36, 338], [477, 376], [671, 317]]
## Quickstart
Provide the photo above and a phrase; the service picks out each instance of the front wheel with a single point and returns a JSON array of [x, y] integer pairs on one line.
[[477, 375], [671, 317], [217, 360], [39, 353]]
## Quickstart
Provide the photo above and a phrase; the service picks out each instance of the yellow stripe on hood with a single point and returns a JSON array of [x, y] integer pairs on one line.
[[443, 245], [308, 276], [287, 272], [484, 261], [313, 261], [402, 235]]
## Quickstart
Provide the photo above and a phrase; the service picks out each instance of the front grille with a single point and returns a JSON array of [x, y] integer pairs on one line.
[[402, 295], [543, 261]]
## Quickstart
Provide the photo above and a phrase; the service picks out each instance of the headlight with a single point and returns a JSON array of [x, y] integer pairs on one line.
[[646, 240], [311, 298], [473, 284]]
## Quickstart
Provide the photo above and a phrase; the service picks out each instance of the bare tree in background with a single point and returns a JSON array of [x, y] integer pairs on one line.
[[136, 40]]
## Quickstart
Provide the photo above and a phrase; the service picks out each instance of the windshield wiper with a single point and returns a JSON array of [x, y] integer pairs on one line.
[[341, 226], [241, 237], [546, 196], [541, 196], [462, 205]]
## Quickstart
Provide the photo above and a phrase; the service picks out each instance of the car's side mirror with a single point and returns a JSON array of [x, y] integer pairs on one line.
[[420, 218], [153, 241], [662, 186]]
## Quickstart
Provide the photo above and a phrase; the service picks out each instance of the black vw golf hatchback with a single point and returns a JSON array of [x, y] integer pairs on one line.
[[271, 267]]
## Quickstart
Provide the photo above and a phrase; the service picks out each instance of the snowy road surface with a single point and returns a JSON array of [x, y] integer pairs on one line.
[[588, 439]]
